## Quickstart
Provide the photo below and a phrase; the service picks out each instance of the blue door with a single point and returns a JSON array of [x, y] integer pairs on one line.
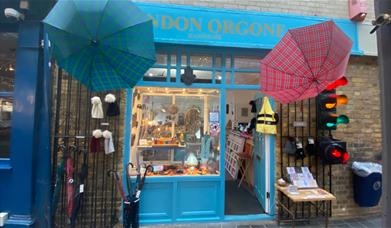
[[261, 164]]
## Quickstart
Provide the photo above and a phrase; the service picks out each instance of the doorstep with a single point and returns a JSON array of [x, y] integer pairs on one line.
[[367, 222]]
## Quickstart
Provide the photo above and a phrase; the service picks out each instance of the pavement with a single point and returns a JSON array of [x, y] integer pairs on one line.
[[369, 222]]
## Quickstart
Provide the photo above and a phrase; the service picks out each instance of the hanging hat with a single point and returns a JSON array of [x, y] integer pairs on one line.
[[253, 106], [310, 148], [96, 111], [299, 150], [109, 145], [95, 141], [290, 147], [112, 108]]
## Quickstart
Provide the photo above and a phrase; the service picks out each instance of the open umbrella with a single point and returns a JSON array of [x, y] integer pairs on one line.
[[105, 44], [304, 62]]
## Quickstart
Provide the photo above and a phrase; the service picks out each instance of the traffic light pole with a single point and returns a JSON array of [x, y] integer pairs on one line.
[[384, 58]]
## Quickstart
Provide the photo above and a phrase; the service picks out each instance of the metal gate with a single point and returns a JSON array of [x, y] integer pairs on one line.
[[95, 199], [298, 120]]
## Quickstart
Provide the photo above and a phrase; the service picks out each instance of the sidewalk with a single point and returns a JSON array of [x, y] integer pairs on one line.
[[370, 222]]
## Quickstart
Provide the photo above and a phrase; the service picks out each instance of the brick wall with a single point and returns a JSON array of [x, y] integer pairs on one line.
[[323, 8], [363, 133]]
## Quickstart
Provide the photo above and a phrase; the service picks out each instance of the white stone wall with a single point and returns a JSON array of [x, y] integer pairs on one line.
[[323, 8]]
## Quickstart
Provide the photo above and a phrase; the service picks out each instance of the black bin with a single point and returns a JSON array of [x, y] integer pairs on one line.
[[367, 187]]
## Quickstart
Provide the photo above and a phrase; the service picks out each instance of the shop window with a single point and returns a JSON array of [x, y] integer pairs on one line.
[[228, 63], [203, 76], [245, 78], [161, 59], [228, 76], [159, 75], [247, 63], [218, 77], [177, 130], [173, 61], [8, 43], [201, 61], [184, 60], [218, 62]]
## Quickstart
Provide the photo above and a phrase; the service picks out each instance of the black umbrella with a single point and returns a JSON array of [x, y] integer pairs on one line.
[[83, 173]]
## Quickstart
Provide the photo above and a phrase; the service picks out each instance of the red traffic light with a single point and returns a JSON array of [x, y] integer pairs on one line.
[[339, 82], [333, 151], [336, 153], [345, 158]]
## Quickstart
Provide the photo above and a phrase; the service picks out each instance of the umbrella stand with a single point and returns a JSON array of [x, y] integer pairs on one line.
[[131, 209]]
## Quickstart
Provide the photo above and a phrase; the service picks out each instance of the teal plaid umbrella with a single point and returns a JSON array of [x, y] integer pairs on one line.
[[105, 44]]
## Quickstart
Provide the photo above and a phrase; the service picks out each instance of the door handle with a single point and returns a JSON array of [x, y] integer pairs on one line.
[[258, 157]]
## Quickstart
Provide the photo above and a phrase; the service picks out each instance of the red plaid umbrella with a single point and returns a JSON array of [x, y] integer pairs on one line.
[[304, 62]]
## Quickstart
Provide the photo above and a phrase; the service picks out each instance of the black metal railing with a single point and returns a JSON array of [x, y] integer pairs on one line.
[[97, 203], [304, 114]]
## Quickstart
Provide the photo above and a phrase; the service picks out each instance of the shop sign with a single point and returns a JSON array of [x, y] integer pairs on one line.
[[229, 28]]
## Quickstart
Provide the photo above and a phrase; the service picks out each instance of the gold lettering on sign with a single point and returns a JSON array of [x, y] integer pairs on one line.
[[228, 27], [195, 23], [167, 22], [280, 28], [269, 29], [214, 26], [239, 30], [181, 26], [256, 29], [154, 21]]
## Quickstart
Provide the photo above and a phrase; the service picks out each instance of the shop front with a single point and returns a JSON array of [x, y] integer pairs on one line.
[[183, 117]]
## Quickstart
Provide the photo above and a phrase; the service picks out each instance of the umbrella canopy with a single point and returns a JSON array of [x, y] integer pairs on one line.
[[105, 44], [304, 62]]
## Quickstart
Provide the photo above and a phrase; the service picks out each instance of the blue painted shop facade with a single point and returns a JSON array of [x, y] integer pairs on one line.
[[180, 32]]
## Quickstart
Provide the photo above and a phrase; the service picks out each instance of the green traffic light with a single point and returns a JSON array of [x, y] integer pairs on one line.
[[342, 119]]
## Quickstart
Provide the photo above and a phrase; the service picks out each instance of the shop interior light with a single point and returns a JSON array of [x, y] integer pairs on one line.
[[339, 82]]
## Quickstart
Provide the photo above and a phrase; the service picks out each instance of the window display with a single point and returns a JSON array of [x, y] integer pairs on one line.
[[176, 130], [7, 82]]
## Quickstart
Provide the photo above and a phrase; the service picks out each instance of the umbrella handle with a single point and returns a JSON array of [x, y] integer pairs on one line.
[[128, 179], [141, 184]]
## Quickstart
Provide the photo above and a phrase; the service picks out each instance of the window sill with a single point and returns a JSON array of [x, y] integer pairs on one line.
[[5, 164]]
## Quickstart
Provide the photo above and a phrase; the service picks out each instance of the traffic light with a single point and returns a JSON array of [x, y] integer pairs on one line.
[[333, 151], [328, 101]]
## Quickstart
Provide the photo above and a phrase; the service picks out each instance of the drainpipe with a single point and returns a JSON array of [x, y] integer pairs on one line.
[[384, 59]]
